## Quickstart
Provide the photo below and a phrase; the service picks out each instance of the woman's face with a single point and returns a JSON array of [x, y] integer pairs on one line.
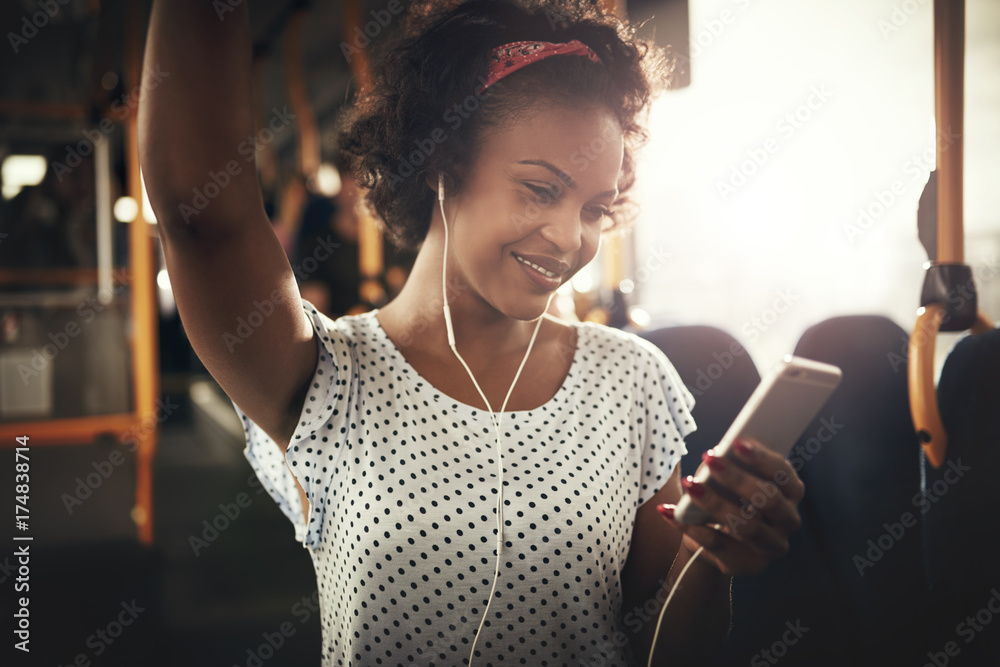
[[533, 207]]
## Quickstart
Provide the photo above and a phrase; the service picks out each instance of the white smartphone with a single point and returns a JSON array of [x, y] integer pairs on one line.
[[775, 415]]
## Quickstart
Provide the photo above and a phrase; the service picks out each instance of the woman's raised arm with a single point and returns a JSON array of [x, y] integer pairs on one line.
[[235, 291]]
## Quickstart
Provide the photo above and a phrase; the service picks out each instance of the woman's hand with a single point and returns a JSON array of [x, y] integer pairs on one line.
[[752, 495]]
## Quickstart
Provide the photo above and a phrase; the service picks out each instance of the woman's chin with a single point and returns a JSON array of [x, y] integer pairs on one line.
[[527, 308]]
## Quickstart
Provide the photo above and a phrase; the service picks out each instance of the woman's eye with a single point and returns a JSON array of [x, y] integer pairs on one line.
[[543, 194], [597, 213]]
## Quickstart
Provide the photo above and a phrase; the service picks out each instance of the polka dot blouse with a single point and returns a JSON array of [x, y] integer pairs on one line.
[[402, 488]]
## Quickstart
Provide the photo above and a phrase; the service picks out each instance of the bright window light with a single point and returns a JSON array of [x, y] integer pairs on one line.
[[21, 171], [785, 179], [583, 281], [327, 180], [126, 209], [147, 208]]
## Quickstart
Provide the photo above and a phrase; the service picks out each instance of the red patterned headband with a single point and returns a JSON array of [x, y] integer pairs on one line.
[[511, 57]]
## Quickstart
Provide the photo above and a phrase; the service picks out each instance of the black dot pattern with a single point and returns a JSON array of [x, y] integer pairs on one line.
[[402, 485]]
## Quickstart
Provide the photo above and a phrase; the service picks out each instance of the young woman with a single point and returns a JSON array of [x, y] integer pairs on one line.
[[476, 482]]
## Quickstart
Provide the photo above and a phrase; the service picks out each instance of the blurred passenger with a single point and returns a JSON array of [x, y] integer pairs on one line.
[[52, 224], [326, 261]]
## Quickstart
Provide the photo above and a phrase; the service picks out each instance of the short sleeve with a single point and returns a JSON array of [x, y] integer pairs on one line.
[[318, 439], [665, 410]]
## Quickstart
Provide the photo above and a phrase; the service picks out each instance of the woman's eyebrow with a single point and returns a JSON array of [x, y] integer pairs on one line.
[[560, 174], [564, 177]]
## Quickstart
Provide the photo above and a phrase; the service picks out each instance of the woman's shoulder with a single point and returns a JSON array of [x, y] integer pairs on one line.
[[350, 328], [602, 337], [346, 339], [632, 361]]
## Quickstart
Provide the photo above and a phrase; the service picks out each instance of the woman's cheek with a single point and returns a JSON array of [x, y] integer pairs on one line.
[[527, 214], [591, 245]]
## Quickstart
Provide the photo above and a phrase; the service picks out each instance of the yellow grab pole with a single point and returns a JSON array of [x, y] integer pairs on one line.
[[146, 372], [949, 89]]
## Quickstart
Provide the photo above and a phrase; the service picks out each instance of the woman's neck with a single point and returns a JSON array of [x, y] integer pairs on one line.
[[481, 331]]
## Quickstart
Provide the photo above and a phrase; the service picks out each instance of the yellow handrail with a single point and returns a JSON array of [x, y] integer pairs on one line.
[[920, 377], [949, 84], [145, 356]]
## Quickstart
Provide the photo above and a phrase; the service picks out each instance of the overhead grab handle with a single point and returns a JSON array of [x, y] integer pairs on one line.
[[920, 376], [947, 274]]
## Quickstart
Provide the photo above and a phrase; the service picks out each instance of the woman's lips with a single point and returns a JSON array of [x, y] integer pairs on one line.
[[540, 275]]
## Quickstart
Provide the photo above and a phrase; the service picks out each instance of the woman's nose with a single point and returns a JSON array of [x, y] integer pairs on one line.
[[564, 230]]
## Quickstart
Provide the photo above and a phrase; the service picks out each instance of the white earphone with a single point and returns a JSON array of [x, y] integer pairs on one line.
[[493, 417]]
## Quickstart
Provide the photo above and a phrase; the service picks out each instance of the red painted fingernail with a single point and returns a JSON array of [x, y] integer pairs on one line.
[[668, 512], [744, 448], [694, 488], [713, 461]]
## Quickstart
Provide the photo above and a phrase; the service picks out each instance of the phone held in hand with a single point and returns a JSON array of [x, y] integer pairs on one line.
[[775, 415]]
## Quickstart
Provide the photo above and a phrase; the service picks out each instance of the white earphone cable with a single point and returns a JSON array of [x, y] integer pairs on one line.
[[673, 589], [497, 420]]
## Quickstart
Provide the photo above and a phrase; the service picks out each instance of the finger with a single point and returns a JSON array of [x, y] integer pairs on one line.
[[731, 556], [743, 522], [763, 496], [771, 466], [713, 539]]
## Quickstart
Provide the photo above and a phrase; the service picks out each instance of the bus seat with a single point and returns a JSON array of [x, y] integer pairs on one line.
[[862, 472], [961, 535], [720, 375]]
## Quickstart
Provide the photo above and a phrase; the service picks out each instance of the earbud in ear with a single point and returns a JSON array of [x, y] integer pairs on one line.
[[440, 187]]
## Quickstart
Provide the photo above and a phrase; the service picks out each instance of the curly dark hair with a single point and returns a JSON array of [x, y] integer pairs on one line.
[[423, 115]]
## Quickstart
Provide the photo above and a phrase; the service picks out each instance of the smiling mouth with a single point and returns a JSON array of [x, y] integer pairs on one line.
[[536, 267]]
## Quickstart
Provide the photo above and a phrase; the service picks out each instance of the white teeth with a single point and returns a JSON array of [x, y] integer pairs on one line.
[[545, 272]]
